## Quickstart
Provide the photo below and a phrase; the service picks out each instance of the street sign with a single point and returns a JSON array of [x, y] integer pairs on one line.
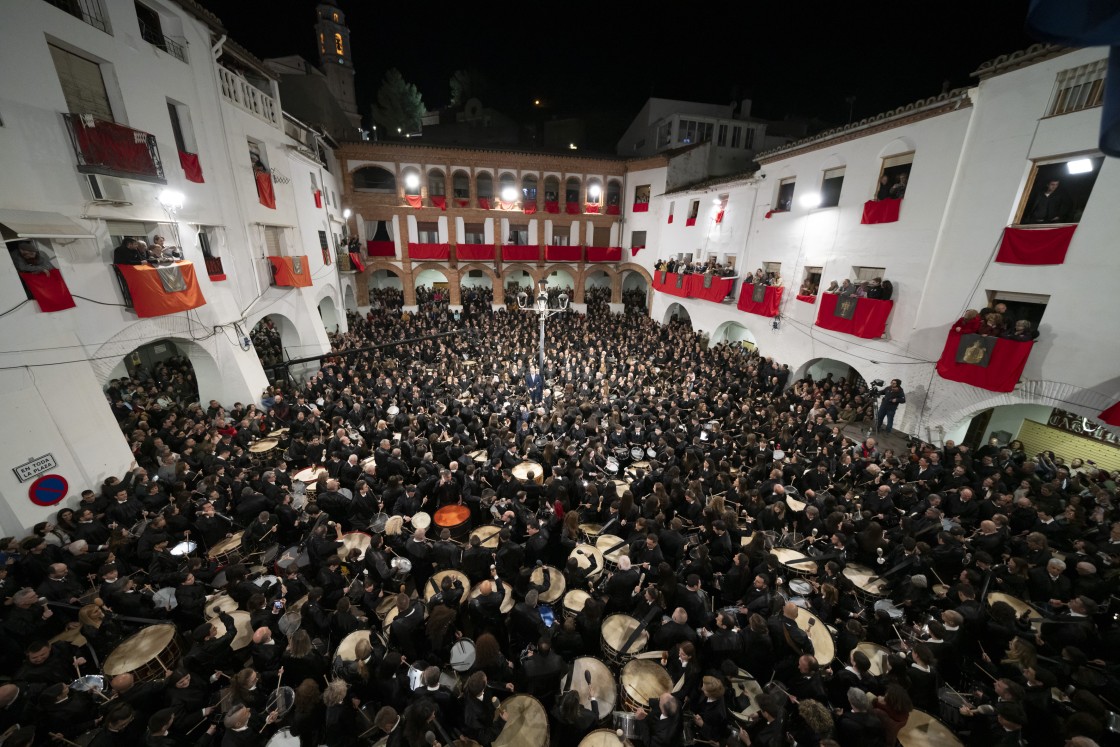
[[34, 466], [48, 490]]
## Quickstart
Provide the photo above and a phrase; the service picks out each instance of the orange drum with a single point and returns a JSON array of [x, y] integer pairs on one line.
[[455, 518]]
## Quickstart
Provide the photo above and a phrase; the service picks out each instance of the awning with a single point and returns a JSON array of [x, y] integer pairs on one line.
[[34, 224]]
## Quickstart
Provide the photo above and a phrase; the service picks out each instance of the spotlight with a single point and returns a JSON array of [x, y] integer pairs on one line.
[[1080, 166], [412, 181], [509, 194], [171, 199], [810, 200]]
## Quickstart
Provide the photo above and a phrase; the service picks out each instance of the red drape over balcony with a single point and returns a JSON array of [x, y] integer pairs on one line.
[[356, 262], [475, 252], [158, 291], [672, 283], [604, 254], [563, 253], [718, 288], [613, 210], [520, 253], [719, 217], [768, 303], [881, 211], [867, 318], [414, 201], [688, 221], [551, 207], [460, 202], [109, 148], [440, 252], [318, 197], [670, 217], [571, 208], [591, 208], [1111, 415], [640, 207], [381, 249], [1035, 246], [291, 272], [529, 208], [807, 299], [483, 203], [49, 290], [191, 167], [264, 189], [439, 201], [990, 363]]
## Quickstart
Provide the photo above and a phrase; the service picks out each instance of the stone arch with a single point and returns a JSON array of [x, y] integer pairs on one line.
[[437, 182], [328, 313], [613, 281], [822, 366], [290, 338], [487, 272], [634, 276], [732, 331], [678, 310], [635, 267], [349, 299], [508, 270], [382, 266], [573, 273], [374, 179]]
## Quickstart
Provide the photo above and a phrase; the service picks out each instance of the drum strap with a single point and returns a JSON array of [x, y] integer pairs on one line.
[[789, 640]]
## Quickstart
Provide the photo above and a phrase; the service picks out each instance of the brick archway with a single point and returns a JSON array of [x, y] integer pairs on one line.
[[613, 275], [632, 267], [405, 276], [576, 275], [495, 281], [450, 275]]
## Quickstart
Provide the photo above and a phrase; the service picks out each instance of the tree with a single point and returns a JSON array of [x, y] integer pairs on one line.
[[466, 85], [399, 105]]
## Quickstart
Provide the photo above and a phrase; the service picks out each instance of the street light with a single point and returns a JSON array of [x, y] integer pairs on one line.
[[412, 180], [172, 200], [540, 306]]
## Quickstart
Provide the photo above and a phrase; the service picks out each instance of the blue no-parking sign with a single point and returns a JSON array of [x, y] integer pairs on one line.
[[48, 490]]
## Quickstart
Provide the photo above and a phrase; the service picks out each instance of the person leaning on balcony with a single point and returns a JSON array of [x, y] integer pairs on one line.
[[159, 249], [969, 323], [27, 258], [129, 253]]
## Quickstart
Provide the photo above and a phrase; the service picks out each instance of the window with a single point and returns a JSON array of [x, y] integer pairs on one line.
[[461, 185], [1057, 192], [89, 11], [812, 281], [83, 85], [375, 179], [693, 209], [274, 241], [690, 131], [436, 183], [474, 233], [664, 134], [551, 189], [257, 155], [571, 190], [407, 173], [379, 230], [474, 273], [736, 136], [671, 206], [894, 176], [1079, 88], [866, 274], [559, 239], [152, 31], [748, 139], [182, 127], [484, 183], [427, 232], [637, 238], [785, 194], [830, 187], [518, 234], [507, 185], [1028, 306], [339, 47], [206, 242], [529, 188], [595, 192], [325, 246], [721, 136], [601, 236]]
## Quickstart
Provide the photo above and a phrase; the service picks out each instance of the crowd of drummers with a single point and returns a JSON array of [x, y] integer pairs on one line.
[[650, 541]]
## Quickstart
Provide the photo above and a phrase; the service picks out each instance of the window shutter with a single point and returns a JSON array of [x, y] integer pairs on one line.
[[82, 84]]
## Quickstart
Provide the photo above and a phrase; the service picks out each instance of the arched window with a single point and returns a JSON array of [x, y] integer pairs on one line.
[[461, 185], [551, 189], [571, 189], [529, 187], [614, 192], [594, 192], [375, 179], [411, 179], [484, 183], [436, 183]]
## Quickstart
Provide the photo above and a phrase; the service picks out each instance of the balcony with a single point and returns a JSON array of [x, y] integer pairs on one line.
[[214, 269], [240, 92], [84, 10], [156, 38], [111, 149]]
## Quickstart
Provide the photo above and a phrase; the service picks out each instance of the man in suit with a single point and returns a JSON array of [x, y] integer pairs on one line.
[[1050, 586], [535, 383], [659, 725]]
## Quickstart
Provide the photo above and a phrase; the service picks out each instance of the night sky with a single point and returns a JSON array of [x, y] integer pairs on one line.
[[602, 60]]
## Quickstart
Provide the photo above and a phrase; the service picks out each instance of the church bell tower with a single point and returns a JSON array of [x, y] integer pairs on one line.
[[333, 40]]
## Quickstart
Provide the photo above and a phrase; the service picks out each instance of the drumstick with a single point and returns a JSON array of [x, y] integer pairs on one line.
[[64, 740]]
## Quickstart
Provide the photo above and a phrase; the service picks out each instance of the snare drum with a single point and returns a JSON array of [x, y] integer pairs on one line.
[[617, 630], [923, 730], [611, 548], [574, 601], [643, 680], [184, 548], [348, 649], [227, 551], [462, 655], [878, 656], [435, 584], [786, 557], [487, 535], [824, 648], [636, 453], [601, 679], [351, 541], [244, 629], [869, 588], [529, 471], [421, 520], [88, 683], [885, 605], [556, 586], [292, 558], [625, 724], [601, 738], [612, 466], [527, 725], [455, 519], [147, 654], [507, 600]]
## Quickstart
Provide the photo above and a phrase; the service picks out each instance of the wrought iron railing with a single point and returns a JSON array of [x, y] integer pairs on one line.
[[112, 149], [89, 11]]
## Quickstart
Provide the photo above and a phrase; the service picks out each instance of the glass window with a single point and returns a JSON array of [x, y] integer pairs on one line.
[[830, 187], [1058, 192], [736, 136], [721, 137], [785, 194]]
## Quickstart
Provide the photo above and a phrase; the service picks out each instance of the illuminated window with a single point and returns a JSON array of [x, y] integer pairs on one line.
[[334, 17], [338, 46], [322, 43]]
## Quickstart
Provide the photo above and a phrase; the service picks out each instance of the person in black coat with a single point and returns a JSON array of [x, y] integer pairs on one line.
[[859, 727], [482, 721], [571, 721], [655, 730], [710, 713]]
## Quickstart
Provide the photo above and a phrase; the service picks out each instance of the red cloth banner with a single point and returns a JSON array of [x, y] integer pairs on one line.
[[563, 253], [719, 217], [191, 166], [667, 282], [520, 253], [429, 251], [719, 289], [688, 221], [1111, 415], [807, 299], [635, 249], [291, 274], [381, 249], [881, 211], [1005, 365], [1035, 246], [613, 210], [462, 203], [49, 290], [475, 252], [604, 254], [264, 189], [769, 305], [150, 296], [640, 207], [483, 203], [592, 208], [356, 262], [114, 146], [551, 207], [670, 217], [529, 208], [414, 201], [571, 208], [439, 201], [318, 198], [869, 320]]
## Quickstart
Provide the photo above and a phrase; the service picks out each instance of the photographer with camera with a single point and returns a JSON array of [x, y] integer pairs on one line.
[[893, 396]]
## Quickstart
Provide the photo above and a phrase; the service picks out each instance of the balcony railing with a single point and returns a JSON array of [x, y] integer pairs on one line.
[[155, 37], [89, 11], [214, 267], [111, 149], [237, 90]]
